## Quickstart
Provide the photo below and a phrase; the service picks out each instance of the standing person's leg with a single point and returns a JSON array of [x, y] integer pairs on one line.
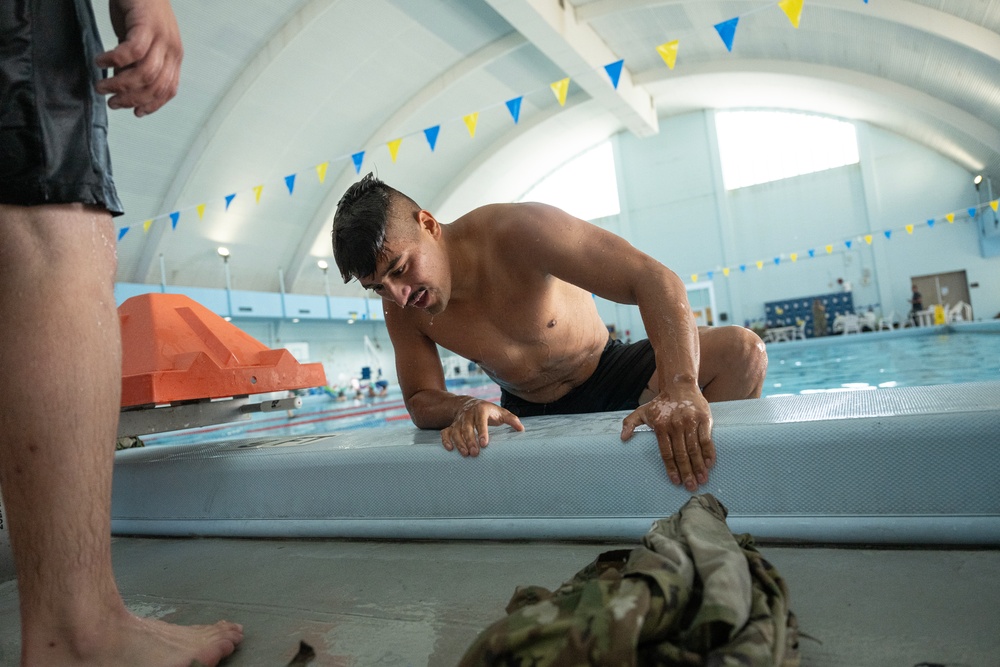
[[60, 356]]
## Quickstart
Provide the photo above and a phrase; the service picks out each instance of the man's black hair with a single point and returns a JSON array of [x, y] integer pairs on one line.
[[359, 226]]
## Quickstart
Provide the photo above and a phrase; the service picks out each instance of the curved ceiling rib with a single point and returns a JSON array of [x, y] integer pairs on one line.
[[486, 55], [295, 26], [966, 130], [925, 19]]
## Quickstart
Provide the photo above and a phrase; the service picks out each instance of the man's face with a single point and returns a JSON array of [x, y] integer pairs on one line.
[[409, 273]]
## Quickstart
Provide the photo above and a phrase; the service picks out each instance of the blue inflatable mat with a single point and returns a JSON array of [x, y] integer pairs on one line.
[[912, 465]]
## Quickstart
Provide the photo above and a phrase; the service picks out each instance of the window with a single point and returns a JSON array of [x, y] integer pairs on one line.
[[763, 146], [585, 187]]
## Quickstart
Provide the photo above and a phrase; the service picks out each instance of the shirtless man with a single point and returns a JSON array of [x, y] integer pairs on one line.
[[509, 286], [60, 348]]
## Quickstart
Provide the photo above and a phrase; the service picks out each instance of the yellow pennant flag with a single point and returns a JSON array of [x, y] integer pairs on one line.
[[321, 171], [560, 88], [868, 239], [394, 148], [470, 122], [257, 189], [829, 249], [950, 218], [145, 225], [201, 211], [694, 277], [668, 52], [792, 9], [795, 256], [994, 204], [725, 272], [909, 229], [760, 265]]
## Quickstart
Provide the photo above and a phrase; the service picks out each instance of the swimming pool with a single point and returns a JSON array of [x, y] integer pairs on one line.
[[941, 355]]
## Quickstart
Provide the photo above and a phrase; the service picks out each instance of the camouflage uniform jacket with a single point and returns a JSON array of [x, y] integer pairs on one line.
[[692, 594]]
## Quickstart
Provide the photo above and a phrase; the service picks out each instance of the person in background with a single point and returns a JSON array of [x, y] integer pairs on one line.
[[916, 305], [60, 348], [510, 287], [819, 318]]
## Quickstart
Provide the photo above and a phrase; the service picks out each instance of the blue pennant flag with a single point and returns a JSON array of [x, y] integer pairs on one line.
[[358, 158], [122, 232], [848, 244], [514, 106], [972, 212], [888, 233], [432, 135], [614, 71], [812, 253], [727, 30], [777, 260], [229, 200], [290, 183], [174, 217], [930, 223], [743, 268], [710, 274]]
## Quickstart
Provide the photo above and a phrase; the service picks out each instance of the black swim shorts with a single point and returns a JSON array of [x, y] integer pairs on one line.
[[621, 376], [53, 124]]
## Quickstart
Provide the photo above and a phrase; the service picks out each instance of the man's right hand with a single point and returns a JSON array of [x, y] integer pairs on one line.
[[470, 431]]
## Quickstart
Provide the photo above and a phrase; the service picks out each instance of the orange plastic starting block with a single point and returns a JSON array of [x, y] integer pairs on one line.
[[175, 350]]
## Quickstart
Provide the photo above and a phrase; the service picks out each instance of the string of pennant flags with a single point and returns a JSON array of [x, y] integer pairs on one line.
[[845, 245], [668, 51]]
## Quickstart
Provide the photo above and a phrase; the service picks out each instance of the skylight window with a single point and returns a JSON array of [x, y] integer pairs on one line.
[[585, 187], [763, 146]]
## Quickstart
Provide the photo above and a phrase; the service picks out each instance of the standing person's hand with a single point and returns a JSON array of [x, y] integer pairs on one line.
[[147, 60]]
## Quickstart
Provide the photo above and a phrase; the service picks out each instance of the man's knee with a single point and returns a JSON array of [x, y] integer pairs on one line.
[[751, 358], [740, 361]]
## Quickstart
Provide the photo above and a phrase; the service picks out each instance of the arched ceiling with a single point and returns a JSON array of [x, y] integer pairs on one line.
[[271, 89]]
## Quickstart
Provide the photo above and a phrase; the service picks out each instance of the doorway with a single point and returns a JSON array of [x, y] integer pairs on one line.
[[945, 289]]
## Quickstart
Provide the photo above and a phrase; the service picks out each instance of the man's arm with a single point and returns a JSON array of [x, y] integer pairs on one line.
[[464, 420], [147, 60], [607, 265]]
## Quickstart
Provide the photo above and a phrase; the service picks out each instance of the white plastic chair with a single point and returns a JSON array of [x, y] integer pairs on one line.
[[960, 312]]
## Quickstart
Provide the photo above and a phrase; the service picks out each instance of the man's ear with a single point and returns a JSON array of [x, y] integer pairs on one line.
[[429, 223]]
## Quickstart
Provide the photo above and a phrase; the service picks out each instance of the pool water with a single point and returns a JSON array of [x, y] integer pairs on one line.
[[876, 360], [837, 363]]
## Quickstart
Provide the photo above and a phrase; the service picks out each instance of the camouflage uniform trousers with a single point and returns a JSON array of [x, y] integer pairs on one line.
[[693, 594]]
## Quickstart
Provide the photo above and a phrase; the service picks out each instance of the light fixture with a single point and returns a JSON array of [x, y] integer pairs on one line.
[[978, 179], [323, 265], [223, 252]]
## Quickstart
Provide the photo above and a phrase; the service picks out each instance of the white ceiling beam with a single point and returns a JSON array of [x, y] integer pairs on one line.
[[552, 27], [920, 17]]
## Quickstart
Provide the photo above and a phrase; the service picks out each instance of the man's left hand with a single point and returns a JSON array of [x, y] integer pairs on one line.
[[682, 422]]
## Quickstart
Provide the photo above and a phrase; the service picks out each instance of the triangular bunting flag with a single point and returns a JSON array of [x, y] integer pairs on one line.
[[514, 107], [829, 249], [930, 223], [321, 171], [668, 52], [792, 9], [122, 232], [795, 256], [174, 217], [257, 190], [777, 260], [431, 133], [394, 148], [812, 252], [229, 200], [145, 225], [950, 218], [909, 229], [470, 122], [358, 158], [743, 268], [725, 272], [888, 233], [290, 183], [614, 71], [559, 88], [201, 211], [710, 274], [694, 277], [760, 264], [848, 244], [994, 204], [972, 212], [868, 239], [727, 30]]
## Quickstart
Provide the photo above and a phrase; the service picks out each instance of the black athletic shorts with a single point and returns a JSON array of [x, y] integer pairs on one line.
[[621, 376], [53, 124]]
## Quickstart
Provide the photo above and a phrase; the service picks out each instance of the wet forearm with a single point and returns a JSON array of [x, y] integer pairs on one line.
[[671, 330], [435, 408]]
